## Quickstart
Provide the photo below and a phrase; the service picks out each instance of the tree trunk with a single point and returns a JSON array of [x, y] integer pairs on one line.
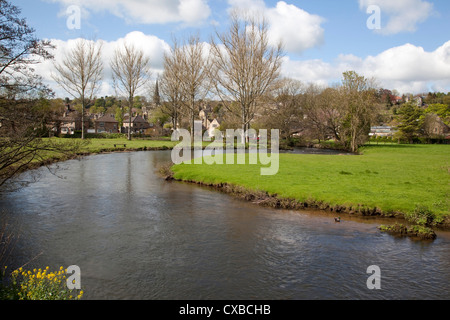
[[192, 119], [82, 118], [129, 118], [244, 125], [192, 127]]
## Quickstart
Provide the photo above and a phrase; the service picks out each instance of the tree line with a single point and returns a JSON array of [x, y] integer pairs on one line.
[[25, 108], [237, 67]]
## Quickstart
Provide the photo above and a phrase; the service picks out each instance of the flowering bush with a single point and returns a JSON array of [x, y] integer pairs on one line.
[[38, 284]]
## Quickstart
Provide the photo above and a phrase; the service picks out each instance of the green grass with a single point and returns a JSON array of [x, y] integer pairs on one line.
[[69, 148], [104, 145], [393, 178], [96, 145]]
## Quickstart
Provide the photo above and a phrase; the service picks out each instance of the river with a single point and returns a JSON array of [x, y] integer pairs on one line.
[[136, 236]]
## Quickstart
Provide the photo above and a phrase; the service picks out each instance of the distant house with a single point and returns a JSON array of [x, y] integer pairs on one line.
[[417, 100], [212, 125], [107, 124], [381, 131], [209, 124], [435, 128], [396, 99], [69, 122], [138, 124]]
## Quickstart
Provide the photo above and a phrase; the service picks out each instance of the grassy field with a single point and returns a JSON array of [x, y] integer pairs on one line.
[[70, 148], [393, 178], [96, 145], [107, 145]]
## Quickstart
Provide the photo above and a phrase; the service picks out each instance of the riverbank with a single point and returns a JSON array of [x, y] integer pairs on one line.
[[400, 181], [96, 146]]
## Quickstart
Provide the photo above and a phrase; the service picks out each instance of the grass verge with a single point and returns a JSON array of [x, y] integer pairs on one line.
[[388, 180]]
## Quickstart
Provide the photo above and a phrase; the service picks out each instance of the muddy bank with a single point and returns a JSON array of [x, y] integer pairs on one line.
[[422, 233], [265, 199]]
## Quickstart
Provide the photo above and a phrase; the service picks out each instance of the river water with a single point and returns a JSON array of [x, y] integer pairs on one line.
[[136, 236]]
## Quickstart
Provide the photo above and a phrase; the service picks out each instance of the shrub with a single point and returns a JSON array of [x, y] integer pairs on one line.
[[421, 216], [37, 284], [423, 232], [413, 231]]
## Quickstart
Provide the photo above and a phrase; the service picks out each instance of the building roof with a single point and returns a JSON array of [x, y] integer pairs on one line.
[[107, 118], [134, 119]]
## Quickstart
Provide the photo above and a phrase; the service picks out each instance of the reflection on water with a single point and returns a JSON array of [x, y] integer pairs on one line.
[[136, 236]]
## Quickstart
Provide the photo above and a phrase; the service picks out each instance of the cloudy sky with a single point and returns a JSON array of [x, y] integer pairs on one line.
[[404, 44]]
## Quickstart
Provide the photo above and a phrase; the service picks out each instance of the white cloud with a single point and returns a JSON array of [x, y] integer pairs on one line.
[[409, 68], [310, 71], [406, 68], [298, 29], [401, 15], [193, 11], [251, 5], [152, 47], [148, 11]]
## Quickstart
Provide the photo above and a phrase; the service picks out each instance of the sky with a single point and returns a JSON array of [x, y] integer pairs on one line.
[[403, 44]]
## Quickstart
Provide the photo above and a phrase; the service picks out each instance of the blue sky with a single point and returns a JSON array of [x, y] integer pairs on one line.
[[323, 38]]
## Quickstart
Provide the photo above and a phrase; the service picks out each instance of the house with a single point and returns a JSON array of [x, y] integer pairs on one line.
[[208, 124], [69, 122], [381, 131], [138, 124], [106, 123], [418, 100], [434, 127], [212, 125], [396, 99]]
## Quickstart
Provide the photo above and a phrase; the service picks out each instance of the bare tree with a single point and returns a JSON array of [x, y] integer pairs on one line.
[[322, 111], [25, 114], [80, 73], [170, 85], [19, 51], [191, 66], [131, 72], [358, 100], [283, 109], [244, 65]]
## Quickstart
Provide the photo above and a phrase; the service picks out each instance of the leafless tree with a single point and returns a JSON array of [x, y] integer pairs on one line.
[[191, 66], [244, 65], [131, 72], [358, 100], [19, 51], [25, 114], [80, 73], [283, 107], [170, 85], [322, 112]]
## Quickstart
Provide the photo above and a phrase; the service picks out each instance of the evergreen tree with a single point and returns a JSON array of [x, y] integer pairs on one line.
[[156, 96]]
